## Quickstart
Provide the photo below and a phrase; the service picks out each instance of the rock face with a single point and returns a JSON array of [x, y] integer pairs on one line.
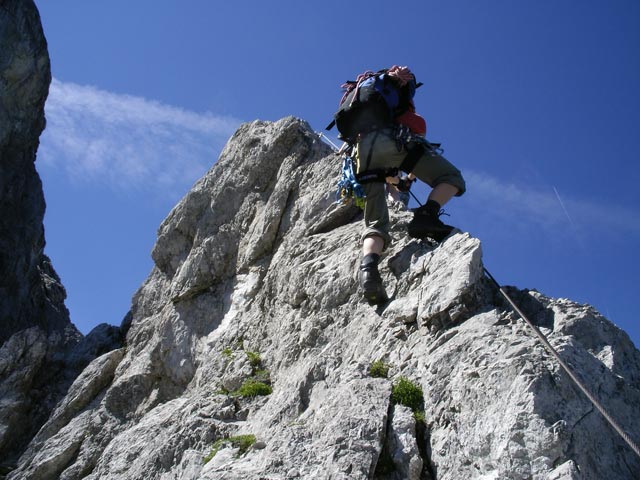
[[31, 294], [250, 352], [40, 350]]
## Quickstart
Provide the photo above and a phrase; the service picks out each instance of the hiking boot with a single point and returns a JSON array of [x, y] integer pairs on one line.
[[426, 223], [370, 280]]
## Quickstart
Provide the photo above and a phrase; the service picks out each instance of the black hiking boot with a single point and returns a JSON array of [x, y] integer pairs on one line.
[[370, 280], [426, 223]]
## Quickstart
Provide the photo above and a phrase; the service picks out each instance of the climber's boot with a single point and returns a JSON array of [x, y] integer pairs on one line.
[[370, 280], [426, 222]]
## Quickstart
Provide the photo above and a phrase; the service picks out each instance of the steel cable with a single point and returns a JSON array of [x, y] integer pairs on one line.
[[566, 368]]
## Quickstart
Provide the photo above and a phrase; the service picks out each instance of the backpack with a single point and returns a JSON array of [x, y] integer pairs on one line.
[[371, 102]]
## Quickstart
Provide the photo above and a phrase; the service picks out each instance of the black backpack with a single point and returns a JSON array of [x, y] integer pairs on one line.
[[371, 102]]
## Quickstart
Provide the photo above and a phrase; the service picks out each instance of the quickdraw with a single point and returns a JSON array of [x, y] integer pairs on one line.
[[348, 186]]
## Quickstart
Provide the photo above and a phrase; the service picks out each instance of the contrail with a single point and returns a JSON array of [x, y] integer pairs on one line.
[[563, 207]]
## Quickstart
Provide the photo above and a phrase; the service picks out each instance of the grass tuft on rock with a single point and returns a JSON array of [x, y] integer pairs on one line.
[[379, 369], [253, 388], [254, 358], [407, 393], [242, 442]]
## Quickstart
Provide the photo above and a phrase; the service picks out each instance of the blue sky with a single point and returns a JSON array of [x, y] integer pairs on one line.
[[536, 102]]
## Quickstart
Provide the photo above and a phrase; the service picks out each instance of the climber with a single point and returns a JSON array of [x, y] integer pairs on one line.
[[377, 117]]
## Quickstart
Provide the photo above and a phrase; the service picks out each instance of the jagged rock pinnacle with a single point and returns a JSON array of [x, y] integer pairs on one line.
[[250, 346]]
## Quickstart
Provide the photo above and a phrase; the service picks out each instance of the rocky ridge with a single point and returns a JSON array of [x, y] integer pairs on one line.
[[250, 351]]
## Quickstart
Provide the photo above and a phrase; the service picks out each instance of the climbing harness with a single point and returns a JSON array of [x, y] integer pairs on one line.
[[565, 367], [416, 146], [350, 183]]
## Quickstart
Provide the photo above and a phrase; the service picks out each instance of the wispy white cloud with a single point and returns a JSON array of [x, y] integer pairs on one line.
[[128, 142], [526, 207]]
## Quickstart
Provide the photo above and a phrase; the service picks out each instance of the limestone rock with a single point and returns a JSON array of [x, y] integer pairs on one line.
[[41, 352], [255, 290], [31, 290], [402, 445], [35, 323]]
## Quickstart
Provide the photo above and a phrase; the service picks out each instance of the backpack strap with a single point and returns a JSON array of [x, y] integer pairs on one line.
[[370, 154], [413, 155]]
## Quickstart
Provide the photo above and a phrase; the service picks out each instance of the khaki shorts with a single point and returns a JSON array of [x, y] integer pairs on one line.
[[378, 150]]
